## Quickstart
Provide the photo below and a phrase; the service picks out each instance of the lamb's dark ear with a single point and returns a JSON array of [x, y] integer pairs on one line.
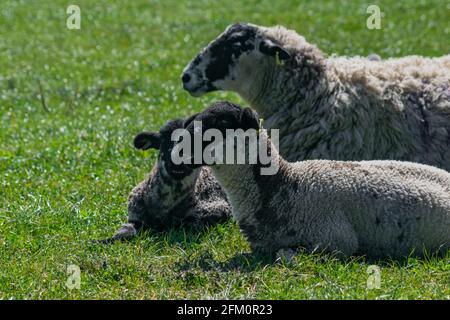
[[146, 140], [271, 49], [249, 119], [189, 120]]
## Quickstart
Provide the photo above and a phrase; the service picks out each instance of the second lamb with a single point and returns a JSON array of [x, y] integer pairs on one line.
[[374, 208]]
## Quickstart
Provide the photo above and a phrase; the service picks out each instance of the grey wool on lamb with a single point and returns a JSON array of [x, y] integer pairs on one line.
[[378, 209], [172, 195]]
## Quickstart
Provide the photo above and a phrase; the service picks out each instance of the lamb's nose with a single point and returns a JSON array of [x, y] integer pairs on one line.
[[186, 78]]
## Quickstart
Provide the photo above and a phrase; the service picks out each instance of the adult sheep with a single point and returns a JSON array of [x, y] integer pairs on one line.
[[337, 108]]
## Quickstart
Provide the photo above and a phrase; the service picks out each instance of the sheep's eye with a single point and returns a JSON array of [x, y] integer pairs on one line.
[[223, 123]]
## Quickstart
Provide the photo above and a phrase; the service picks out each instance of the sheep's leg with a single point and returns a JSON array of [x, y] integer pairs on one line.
[[211, 213], [204, 214], [127, 232], [286, 255], [339, 238]]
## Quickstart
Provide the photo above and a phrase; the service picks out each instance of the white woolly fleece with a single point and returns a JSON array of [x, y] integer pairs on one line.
[[351, 108], [375, 208]]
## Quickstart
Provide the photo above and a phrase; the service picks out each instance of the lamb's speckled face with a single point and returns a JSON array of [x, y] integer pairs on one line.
[[217, 66], [162, 141]]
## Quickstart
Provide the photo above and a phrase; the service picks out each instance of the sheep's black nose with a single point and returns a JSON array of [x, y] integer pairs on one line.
[[186, 78]]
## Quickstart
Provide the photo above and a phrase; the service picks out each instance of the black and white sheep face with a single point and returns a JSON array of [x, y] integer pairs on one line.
[[162, 141], [221, 64], [221, 116]]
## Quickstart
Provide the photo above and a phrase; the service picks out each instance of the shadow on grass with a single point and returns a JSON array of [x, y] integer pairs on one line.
[[248, 262], [189, 237], [186, 235], [242, 262]]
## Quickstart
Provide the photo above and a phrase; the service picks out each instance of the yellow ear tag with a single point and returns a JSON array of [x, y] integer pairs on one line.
[[278, 61], [261, 120]]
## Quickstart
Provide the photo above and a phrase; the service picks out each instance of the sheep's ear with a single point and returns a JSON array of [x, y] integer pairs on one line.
[[188, 121], [269, 48], [146, 140], [249, 119]]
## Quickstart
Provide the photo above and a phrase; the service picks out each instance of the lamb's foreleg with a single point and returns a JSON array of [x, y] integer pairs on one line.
[[206, 213], [126, 232]]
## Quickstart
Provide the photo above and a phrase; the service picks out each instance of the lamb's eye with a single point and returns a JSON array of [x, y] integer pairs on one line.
[[236, 45], [223, 123]]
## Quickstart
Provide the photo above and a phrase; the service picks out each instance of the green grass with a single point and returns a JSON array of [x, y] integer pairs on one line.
[[67, 168]]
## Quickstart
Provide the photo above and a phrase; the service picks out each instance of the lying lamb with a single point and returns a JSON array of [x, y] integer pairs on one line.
[[172, 195], [337, 108], [375, 208]]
